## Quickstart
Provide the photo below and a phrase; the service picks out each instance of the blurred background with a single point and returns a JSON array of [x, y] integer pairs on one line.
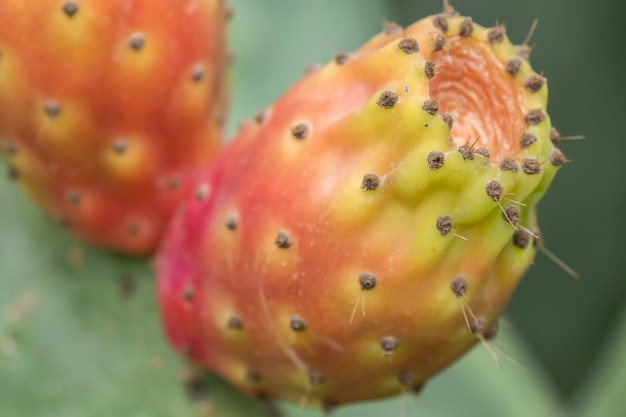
[[570, 334]]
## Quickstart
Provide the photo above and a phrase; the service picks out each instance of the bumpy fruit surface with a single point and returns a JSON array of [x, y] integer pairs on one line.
[[369, 227], [109, 109]]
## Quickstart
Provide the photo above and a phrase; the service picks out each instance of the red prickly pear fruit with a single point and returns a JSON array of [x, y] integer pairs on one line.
[[109, 110], [371, 226]]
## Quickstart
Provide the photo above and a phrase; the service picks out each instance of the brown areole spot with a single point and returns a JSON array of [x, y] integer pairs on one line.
[[188, 293], [73, 198], [52, 109], [367, 281], [252, 376], [342, 58], [431, 106], [441, 23], [133, 229], [407, 378], [387, 99], [513, 66], [459, 286], [491, 332], [535, 116], [13, 173], [9, 149], [282, 240], [202, 192], [440, 42], [511, 214], [173, 183], [297, 324], [536, 238], [447, 117], [466, 28], [508, 164], [484, 152], [555, 136], [316, 378], [467, 151], [429, 69], [70, 8], [370, 182], [388, 344], [235, 323], [137, 41], [436, 159], [557, 158], [261, 116], [526, 140], [328, 406], [478, 327], [232, 221], [300, 131], [408, 45], [496, 35], [494, 190], [531, 166], [196, 388], [197, 73], [534, 83], [391, 28], [444, 225], [521, 238], [119, 146]]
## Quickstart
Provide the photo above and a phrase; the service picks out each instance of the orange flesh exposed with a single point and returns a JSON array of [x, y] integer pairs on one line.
[[485, 101]]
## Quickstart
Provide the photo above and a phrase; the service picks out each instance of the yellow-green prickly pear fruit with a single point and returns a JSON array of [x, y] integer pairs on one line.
[[369, 227]]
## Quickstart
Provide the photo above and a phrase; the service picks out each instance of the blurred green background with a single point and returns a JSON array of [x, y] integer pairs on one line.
[[91, 344]]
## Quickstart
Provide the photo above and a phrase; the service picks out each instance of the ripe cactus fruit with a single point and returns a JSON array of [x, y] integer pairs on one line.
[[371, 226], [109, 109]]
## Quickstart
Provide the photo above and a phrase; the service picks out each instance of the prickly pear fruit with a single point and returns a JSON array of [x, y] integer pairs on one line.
[[109, 109], [369, 227]]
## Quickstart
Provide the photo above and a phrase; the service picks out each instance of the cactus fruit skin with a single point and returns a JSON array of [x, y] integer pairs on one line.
[[370, 226], [110, 109]]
